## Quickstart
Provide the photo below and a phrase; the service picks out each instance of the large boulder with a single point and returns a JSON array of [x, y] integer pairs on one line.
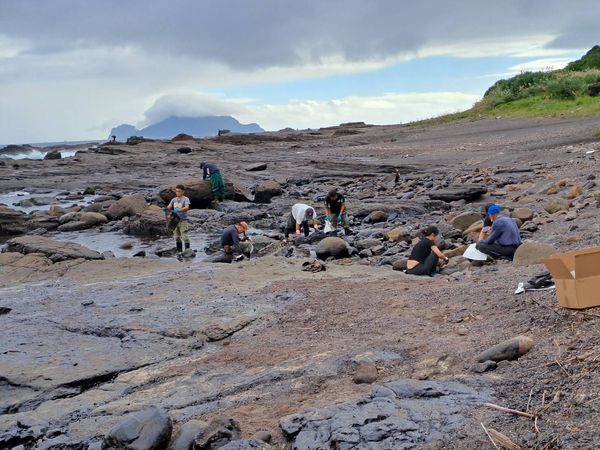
[[267, 190], [376, 217], [530, 253], [149, 429], [332, 246], [12, 221], [56, 211], [199, 192], [465, 220], [453, 193], [556, 204], [54, 250], [150, 223], [130, 205]]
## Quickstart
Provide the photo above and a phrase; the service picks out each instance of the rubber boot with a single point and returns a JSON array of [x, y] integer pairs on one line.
[[179, 246], [187, 245]]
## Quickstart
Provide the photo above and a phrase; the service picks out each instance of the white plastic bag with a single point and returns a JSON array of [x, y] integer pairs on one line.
[[473, 254], [328, 227]]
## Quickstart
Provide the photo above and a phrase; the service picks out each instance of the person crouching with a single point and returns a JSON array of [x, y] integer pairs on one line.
[[425, 254]]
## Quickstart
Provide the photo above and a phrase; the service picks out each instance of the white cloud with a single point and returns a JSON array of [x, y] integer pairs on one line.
[[541, 65], [391, 108]]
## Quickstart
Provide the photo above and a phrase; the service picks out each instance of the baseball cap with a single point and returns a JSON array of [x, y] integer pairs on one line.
[[310, 212], [493, 209]]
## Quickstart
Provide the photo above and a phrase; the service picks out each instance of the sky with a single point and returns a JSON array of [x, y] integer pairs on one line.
[[72, 69]]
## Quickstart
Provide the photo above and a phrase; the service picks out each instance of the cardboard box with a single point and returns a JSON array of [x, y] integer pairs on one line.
[[577, 277]]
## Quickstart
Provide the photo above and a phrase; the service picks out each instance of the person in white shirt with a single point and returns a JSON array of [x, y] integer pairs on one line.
[[301, 218]]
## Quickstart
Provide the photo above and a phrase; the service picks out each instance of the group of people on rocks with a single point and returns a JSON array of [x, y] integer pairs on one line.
[[499, 237]]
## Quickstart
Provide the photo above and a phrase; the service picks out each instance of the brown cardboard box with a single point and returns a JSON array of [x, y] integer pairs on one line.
[[577, 277]]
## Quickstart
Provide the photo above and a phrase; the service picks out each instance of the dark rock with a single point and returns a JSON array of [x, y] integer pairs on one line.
[[54, 154], [367, 243], [184, 150], [199, 192], [507, 350], [149, 429], [484, 366], [465, 220], [376, 217], [332, 246], [257, 167], [404, 414], [13, 222], [219, 432], [89, 191], [400, 264], [149, 223], [140, 254], [594, 90], [267, 190], [182, 137], [4, 310], [459, 192]]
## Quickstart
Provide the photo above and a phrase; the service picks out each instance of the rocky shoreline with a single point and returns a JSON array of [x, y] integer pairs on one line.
[[307, 353]]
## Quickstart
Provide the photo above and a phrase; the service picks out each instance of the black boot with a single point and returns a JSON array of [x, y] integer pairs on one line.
[[179, 245], [187, 245]]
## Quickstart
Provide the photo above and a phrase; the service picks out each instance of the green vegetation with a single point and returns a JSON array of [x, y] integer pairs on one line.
[[539, 94], [597, 132]]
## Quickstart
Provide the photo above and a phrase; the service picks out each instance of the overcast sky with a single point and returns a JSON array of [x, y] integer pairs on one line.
[[72, 69]]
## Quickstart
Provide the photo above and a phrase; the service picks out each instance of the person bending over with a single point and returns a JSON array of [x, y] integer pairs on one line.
[[217, 185], [425, 254], [504, 238], [335, 209], [302, 217]]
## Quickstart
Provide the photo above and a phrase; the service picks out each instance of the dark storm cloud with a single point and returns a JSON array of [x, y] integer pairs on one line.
[[262, 33]]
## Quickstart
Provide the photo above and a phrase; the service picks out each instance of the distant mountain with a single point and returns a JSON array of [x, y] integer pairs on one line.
[[591, 60], [195, 126]]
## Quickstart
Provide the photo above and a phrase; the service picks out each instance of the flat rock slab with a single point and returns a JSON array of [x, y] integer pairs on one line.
[[403, 414], [462, 192], [54, 250]]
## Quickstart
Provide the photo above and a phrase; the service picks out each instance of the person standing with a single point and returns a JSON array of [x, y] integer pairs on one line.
[[179, 206], [217, 185], [301, 218], [425, 254], [335, 209], [504, 238]]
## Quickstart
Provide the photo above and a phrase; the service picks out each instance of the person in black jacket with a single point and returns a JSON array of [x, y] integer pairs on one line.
[[425, 254]]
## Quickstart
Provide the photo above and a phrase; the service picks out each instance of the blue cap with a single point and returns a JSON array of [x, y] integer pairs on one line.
[[493, 209]]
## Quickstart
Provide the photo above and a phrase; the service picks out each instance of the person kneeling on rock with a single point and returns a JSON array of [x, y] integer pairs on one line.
[[179, 207], [230, 240], [425, 255], [302, 217], [504, 238]]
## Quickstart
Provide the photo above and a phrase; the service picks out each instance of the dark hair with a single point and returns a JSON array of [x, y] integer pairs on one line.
[[180, 186], [430, 230], [202, 165], [333, 192]]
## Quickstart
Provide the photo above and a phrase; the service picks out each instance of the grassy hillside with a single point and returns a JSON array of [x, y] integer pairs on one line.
[[539, 94]]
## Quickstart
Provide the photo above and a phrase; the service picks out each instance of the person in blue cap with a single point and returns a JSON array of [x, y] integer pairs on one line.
[[504, 238]]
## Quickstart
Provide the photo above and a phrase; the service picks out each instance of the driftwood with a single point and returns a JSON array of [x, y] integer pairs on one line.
[[503, 440], [511, 411]]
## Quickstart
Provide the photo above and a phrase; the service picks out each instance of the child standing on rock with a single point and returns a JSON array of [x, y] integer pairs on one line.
[[179, 206]]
